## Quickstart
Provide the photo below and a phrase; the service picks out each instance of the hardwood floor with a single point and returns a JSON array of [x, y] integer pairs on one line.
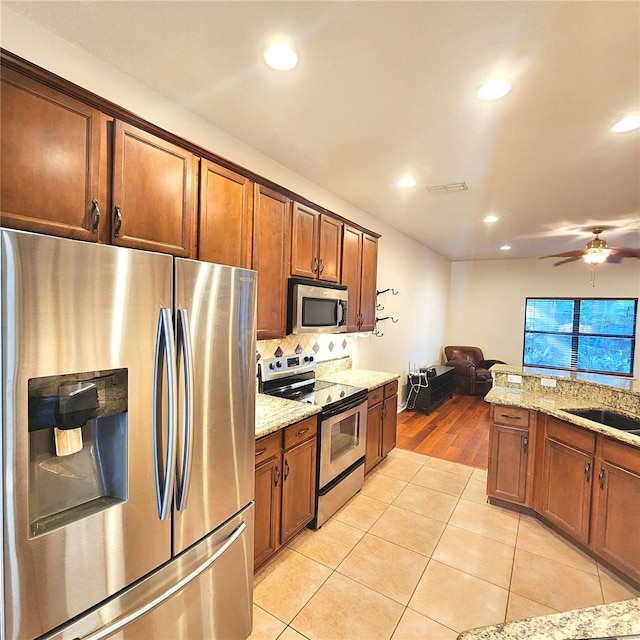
[[458, 431]]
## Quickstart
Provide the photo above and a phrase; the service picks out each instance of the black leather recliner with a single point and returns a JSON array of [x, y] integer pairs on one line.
[[471, 375]]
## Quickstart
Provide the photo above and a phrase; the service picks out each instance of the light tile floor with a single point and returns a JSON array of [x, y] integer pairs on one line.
[[420, 554]]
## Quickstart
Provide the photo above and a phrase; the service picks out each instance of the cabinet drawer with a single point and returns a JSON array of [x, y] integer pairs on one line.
[[375, 396], [621, 455], [268, 447], [300, 432], [391, 389], [511, 416], [572, 435]]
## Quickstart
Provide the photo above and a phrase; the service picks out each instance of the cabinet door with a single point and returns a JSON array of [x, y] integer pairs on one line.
[[298, 488], [153, 193], [226, 216], [369, 283], [566, 488], [351, 273], [329, 248], [616, 517], [267, 510], [50, 161], [373, 449], [304, 242], [509, 455], [272, 218], [389, 424]]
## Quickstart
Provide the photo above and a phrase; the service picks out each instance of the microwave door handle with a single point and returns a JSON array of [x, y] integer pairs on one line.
[[165, 351], [343, 312], [186, 350]]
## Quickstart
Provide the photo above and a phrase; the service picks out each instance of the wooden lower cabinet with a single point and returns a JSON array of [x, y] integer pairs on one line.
[[564, 494], [584, 483], [267, 509], [510, 454], [615, 532], [298, 488], [382, 422], [285, 486]]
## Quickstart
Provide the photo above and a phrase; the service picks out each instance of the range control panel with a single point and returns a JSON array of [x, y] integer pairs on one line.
[[285, 366]]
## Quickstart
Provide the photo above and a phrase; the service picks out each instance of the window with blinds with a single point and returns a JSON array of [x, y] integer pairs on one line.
[[595, 335]]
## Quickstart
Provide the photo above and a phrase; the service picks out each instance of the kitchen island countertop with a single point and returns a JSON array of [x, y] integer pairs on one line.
[[605, 620]]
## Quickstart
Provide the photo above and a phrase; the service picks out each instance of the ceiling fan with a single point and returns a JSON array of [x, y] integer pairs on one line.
[[596, 252]]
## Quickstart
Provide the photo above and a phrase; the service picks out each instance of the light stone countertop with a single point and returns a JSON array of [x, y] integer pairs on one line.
[[360, 378], [275, 413], [603, 621], [556, 405]]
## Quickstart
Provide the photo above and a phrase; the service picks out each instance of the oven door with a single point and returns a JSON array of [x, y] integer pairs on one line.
[[343, 434]]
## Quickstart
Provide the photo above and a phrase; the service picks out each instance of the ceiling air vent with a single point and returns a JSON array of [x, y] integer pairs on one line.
[[446, 188]]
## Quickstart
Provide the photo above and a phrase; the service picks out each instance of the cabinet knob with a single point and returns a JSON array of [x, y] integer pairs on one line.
[[525, 444], [286, 469], [315, 264], [321, 266], [587, 472], [601, 478]]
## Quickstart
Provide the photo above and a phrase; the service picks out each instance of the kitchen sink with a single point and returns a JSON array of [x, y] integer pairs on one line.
[[609, 418]]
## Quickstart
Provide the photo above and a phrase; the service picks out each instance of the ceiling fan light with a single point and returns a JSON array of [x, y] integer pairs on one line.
[[596, 255]]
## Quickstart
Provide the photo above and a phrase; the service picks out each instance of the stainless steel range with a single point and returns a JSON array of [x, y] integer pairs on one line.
[[343, 426]]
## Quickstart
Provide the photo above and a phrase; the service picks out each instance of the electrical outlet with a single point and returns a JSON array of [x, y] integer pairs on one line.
[[548, 382], [514, 378]]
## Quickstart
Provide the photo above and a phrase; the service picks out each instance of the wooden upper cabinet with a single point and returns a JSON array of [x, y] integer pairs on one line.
[[351, 273], [369, 283], [315, 244], [270, 258], [153, 193], [50, 161], [226, 216]]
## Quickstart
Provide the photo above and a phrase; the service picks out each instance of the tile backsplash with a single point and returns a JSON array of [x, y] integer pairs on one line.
[[326, 346]]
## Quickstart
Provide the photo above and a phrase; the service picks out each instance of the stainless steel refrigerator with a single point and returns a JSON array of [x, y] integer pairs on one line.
[[128, 404]]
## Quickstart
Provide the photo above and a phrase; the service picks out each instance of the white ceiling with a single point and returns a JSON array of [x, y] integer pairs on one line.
[[387, 88]]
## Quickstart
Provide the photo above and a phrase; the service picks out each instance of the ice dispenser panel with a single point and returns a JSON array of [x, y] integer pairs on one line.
[[77, 446]]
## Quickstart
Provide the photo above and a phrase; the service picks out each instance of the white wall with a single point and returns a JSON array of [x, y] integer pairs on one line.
[[487, 300], [421, 276]]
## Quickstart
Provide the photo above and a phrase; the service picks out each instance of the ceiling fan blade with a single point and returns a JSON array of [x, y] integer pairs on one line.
[[578, 253], [625, 252], [614, 259], [566, 260]]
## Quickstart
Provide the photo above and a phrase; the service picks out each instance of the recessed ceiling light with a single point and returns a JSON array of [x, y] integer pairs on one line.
[[281, 56], [406, 182], [491, 218], [630, 123], [493, 89], [505, 247]]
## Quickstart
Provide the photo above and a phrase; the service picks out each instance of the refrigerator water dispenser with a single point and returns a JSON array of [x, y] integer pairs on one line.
[[77, 446]]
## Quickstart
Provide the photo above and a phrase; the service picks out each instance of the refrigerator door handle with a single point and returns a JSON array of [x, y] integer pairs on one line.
[[111, 629], [165, 350], [186, 349]]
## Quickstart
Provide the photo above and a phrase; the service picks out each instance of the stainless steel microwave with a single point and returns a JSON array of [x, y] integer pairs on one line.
[[315, 307]]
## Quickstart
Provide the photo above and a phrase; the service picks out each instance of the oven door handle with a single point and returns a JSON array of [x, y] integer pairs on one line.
[[344, 407]]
